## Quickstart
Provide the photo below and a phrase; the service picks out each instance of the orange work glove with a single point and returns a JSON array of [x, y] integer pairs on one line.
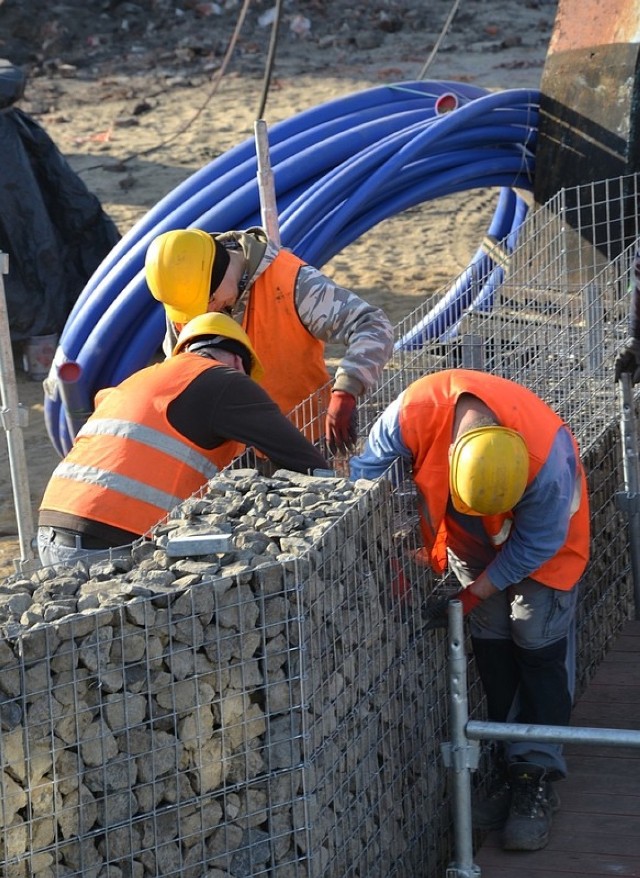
[[341, 424]]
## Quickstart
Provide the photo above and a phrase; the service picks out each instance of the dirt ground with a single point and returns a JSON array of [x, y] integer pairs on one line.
[[140, 95]]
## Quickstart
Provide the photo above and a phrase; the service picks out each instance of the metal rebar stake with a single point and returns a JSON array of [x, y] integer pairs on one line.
[[461, 755], [13, 418], [629, 502]]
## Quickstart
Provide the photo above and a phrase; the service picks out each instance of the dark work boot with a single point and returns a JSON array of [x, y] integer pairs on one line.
[[491, 811], [490, 808], [533, 802]]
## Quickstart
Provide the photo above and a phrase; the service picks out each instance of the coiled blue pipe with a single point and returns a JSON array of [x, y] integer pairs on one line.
[[339, 169], [483, 302], [438, 323], [308, 128]]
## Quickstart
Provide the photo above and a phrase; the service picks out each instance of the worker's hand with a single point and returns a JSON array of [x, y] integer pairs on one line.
[[341, 423], [400, 585], [435, 610], [628, 360]]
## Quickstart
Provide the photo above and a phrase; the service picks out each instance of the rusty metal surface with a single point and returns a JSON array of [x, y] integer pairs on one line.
[[589, 109], [581, 24]]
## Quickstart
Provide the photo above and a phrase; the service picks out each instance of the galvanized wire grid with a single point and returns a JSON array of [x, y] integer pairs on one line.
[[376, 714], [553, 323], [287, 721]]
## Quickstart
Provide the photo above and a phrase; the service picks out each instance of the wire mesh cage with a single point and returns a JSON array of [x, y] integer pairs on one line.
[[273, 707], [553, 320]]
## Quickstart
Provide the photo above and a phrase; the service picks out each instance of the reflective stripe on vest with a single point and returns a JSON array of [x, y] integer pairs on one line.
[[129, 472], [91, 475], [153, 439], [502, 535]]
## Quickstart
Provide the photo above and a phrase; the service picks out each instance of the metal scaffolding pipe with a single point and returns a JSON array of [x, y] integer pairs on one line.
[[630, 503], [459, 755], [14, 418], [479, 730]]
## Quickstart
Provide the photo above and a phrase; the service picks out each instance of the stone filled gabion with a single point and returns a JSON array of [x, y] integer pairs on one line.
[[219, 715]]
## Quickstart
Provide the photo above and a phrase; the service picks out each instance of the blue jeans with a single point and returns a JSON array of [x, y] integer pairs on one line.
[[524, 643], [53, 553]]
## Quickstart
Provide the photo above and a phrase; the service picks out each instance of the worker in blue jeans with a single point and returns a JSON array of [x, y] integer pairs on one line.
[[503, 504]]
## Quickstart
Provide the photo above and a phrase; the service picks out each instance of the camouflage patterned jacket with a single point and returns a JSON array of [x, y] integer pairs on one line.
[[331, 313]]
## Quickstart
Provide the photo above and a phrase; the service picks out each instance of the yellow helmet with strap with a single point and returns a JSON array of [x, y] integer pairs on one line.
[[488, 470], [179, 269], [218, 326]]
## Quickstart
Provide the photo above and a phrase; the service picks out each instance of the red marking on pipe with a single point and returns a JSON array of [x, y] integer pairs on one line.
[[69, 371], [446, 103]]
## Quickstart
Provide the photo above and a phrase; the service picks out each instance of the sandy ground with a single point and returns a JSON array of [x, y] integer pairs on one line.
[[136, 118]]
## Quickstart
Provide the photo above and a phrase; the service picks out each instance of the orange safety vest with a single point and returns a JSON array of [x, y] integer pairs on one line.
[[128, 466], [426, 425], [293, 359]]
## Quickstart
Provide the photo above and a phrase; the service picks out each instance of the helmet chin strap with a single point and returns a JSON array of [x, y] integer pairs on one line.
[[243, 283]]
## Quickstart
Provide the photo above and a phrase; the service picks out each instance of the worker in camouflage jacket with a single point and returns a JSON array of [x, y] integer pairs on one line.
[[628, 358], [288, 309]]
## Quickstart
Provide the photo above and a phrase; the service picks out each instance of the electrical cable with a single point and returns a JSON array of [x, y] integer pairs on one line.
[[271, 56], [438, 42], [339, 169]]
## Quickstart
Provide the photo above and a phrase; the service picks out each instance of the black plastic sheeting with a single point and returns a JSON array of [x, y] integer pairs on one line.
[[53, 228]]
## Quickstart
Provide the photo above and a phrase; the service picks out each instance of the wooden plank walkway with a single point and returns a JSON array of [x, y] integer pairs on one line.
[[596, 833]]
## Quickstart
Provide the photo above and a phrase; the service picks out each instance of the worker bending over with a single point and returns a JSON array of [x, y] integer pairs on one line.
[[288, 309], [503, 502], [160, 435]]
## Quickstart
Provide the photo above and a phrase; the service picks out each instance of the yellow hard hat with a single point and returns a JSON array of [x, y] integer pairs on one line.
[[179, 268], [488, 470], [214, 326]]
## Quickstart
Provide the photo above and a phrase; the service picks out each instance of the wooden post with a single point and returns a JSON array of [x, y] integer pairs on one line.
[[266, 187]]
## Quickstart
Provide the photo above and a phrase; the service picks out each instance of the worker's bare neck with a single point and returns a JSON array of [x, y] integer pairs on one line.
[[471, 412]]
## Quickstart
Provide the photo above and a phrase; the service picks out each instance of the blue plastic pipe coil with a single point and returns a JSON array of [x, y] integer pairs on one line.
[[339, 169]]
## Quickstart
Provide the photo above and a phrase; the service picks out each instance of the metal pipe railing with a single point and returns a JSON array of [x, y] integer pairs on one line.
[[629, 501], [461, 756], [487, 731]]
